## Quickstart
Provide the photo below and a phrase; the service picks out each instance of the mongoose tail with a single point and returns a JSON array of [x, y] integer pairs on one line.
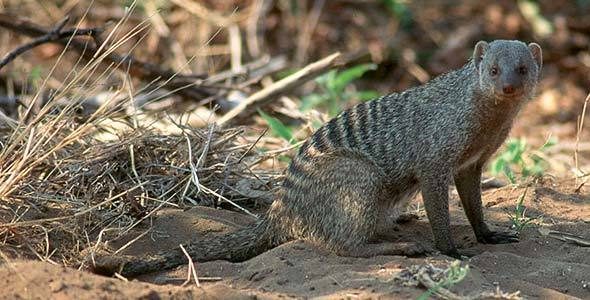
[[236, 246]]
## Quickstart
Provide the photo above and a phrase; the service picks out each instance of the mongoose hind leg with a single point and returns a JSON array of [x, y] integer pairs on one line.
[[392, 208], [336, 203]]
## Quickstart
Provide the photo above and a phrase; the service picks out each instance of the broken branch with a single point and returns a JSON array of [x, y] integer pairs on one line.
[[272, 91], [136, 68], [56, 34]]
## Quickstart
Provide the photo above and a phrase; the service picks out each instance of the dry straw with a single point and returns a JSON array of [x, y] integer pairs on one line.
[[62, 187]]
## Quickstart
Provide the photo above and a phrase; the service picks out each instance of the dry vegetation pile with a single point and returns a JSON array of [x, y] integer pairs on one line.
[[64, 189], [73, 176]]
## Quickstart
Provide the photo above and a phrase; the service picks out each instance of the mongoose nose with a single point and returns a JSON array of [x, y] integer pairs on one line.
[[508, 89]]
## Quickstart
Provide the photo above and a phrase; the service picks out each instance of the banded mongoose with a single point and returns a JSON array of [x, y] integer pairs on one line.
[[361, 167]]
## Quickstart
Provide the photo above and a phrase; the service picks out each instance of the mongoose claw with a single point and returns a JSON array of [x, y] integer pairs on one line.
[[499, 237]]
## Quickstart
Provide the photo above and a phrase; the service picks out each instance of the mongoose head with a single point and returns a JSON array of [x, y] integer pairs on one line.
[[508, 70]]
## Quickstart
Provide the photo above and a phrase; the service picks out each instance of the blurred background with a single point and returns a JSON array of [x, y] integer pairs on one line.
[[232, 49]]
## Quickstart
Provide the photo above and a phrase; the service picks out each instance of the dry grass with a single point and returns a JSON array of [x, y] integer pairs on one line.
[[88, 186], [63, 187]]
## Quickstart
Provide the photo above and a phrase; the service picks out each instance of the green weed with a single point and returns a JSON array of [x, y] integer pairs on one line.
[[453, 275], [35, 77], [518, 158], [277, 127], [518, 219], [334, 93]]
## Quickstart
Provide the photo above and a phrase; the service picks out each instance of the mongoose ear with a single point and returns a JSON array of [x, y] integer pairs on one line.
[[537, 54], [480, 48]]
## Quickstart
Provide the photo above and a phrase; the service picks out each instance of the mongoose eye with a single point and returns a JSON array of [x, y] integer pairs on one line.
[[494, 71], [522, 70]]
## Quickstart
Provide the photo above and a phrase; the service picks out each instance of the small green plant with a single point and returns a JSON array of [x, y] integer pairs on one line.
[[518, 219], [452, 275], [401, 11], [334, 86], [277, 127], [334, 89], [518, 157], [35, 77]]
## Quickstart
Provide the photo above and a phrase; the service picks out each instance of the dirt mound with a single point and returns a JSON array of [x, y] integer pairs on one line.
[[39, 280]]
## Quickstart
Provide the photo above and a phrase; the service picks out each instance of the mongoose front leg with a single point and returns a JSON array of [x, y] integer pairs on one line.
[[468, 183], [435, 192]]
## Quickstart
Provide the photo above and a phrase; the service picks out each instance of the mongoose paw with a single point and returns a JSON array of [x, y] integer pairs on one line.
[[499, 237]]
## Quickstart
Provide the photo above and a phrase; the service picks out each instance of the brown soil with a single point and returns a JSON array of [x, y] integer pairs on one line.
[[540, 267]]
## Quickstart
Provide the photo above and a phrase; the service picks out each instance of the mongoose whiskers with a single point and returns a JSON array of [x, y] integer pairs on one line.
[[361, 167]]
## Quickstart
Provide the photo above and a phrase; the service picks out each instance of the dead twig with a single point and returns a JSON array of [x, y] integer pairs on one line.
[[75, 215], [254, 28], [307, 31], [272, 91], [56, 34], [191, 269], [565, 237], [127, 63], [580, 126]]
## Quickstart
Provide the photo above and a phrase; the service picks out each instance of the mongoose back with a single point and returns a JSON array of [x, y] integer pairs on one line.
[[356, 172]]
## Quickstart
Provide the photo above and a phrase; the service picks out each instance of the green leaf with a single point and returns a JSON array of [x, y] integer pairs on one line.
[[326, 78], [35, 76], [497, 166], [509, 174], [345, 77], [514, 150], [277, 127], [316, 124], [284, 158], [537, 169], [311, 101]]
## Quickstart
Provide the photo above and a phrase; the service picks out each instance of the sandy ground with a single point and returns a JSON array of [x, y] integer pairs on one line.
[[539, 267]]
